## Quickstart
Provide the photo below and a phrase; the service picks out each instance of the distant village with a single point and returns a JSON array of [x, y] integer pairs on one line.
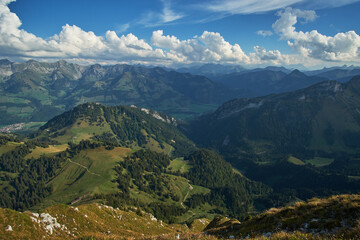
[[12, 128]]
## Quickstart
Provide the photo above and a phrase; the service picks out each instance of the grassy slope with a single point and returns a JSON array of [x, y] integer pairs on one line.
[[334, 217], [74, 180], [179, 164], [81, 130], [51, 150], [92, 221], [331, 218], [8, 147]]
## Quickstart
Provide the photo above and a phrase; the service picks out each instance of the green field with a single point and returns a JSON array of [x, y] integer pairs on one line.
[[179, 164], [82, 130], [91, 171], [49, 151]]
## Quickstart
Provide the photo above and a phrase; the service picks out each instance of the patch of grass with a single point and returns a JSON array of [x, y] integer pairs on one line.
[[295, 161], [320, 162], [8, 147], [236, 171], [21, 224], [179, 164], [82, 130], [51, 150]]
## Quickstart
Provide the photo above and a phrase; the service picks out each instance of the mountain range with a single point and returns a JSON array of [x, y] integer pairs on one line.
[[34, 91]]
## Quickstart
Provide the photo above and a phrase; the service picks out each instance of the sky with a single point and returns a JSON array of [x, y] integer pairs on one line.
[[310, 33]]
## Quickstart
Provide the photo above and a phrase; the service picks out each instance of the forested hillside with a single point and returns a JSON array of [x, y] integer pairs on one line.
[[122, 156]]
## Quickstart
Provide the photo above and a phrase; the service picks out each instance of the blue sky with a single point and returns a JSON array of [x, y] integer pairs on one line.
[[176, 32]]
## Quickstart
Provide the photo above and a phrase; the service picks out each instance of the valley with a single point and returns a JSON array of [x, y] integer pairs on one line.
[[237, 159]]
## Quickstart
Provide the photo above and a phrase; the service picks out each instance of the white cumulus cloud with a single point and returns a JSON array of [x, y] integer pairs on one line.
[[72, 42], [209, 47], [341, 47]]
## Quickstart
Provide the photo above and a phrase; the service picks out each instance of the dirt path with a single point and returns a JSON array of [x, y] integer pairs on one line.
[[187, 194], [87, 169]]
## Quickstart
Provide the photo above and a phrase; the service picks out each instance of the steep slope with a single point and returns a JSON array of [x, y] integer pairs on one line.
[[330, 218], [321, 118], [35, 91], [91, 221], [302, 144]]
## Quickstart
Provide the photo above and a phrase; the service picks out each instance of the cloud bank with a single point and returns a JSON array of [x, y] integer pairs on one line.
[[73, 43]]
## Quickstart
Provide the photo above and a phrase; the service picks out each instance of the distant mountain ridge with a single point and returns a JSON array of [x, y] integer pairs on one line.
[[261, 82], [269, 80], [35, 91], [211, 70]]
